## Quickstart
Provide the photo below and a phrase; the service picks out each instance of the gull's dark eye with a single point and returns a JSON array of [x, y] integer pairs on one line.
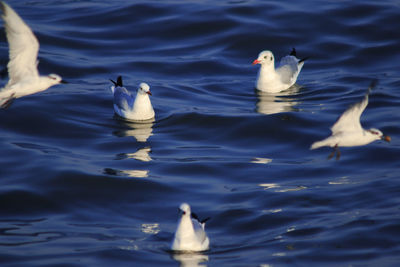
[[265, 57]]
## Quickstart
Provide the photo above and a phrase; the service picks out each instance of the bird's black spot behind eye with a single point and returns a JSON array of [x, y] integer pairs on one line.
[[271, 58]]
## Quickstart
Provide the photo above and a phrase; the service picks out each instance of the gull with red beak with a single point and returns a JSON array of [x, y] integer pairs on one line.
[[128, 107], [347, 131], [274, 80]]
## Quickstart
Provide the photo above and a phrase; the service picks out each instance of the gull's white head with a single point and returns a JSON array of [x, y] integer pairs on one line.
[[265, 58], [378, 135], [54, 79], [185, 208], [144, 88]]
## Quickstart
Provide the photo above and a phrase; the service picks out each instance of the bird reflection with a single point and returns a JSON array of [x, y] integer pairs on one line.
[[272, 103], [128, 173], [141, 131], [190, 259], [141, 155]]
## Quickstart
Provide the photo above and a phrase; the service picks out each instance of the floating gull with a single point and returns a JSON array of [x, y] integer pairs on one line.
[[347, 130], [22, 66], [128, 107], [273, 80], [190, 234]]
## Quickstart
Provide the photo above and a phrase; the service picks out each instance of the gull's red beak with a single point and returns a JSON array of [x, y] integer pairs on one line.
[[149, 93], [256, 62], [386, 138]]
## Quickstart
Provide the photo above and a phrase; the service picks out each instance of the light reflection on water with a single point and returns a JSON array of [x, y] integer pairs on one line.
[[141, 131], [142, 154], [190, 259], [273, 103]]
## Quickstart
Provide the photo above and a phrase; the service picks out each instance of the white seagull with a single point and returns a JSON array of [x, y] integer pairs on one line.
[[190, 234], [22, 66], [128, 107], [347, 130], [273, 80]]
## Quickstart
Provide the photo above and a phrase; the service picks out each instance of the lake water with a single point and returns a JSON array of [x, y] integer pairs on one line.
[[80, 187]]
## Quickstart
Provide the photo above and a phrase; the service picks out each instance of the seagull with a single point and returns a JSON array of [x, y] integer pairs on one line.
[[273, 80], [190, 234], [128, 107], [347, 130], [22, 66]]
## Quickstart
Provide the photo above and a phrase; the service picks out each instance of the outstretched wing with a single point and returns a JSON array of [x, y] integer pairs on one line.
[[350, 119], [23, 46]]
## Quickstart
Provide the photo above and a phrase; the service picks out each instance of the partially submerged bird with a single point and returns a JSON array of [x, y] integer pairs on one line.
[[190, 234], [24, 77], [347, 130], [129, 107], [274, 80]]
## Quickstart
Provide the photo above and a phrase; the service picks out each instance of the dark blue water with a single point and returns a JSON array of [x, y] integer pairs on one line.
[[80, 187]]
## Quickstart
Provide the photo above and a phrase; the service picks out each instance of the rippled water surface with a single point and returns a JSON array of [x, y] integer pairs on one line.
[[81, 187]]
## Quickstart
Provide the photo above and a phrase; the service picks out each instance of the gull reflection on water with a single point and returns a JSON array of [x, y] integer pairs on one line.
[[272, 103], [142, 154], [127, 173], [135, 173], [190, 259], [141, 131]]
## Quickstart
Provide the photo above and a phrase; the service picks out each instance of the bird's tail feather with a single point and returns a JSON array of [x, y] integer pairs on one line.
[[318, 144]]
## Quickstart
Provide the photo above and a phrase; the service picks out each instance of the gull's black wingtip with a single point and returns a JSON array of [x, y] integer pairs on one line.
[[194, 216], [118, 82], [206, 219], [372, 85], [293, 53], [303, 59]]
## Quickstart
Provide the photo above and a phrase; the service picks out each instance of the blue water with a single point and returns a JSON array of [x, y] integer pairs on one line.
[[80, 187]]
